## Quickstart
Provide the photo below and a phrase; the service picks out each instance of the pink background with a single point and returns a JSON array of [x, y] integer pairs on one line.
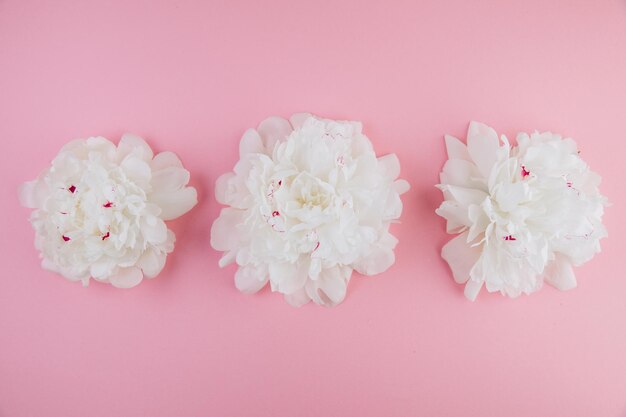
[[191, 77]]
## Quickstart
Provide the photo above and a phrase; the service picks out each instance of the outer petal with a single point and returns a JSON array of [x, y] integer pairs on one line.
[[482, 144], [169, 179], [250, 143], [135, 145], [456, 149], [401, 186], [33, 194], [165, 160], [298, 298], [272, 130], [154, 230], [380, 258], [151, 262], [250, 279], [175, 204], [298, 119], [461, 257], [330, 289], [560, 274], [224, 231], [472, 288], [286, 277], [389, 166], [223, 188], [126, 277], [137, 170]]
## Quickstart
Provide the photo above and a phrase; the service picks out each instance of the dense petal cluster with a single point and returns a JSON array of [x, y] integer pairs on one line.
[[308, 203], [100, 210], [524, 213]]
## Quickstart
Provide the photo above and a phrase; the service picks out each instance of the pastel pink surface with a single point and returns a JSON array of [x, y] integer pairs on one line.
[[191, 77]]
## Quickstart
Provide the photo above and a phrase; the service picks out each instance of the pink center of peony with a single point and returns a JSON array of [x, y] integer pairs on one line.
[[71, 189], [275, 213], [524, 172], [509, 237], [108, 204], [65, 238], [106, 236]]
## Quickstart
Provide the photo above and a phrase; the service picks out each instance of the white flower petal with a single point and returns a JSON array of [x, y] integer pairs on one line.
[[298, 298], [169, 179], [175, 204], [250, 279], [224, 231], [223, 188], [165, 160], [134, 145], [389, 166], [330, 288], [380, 258], [297, 119], [460, 257], [137, 170], [126, 277], [151, 262], [272, 130], [286, 277], [456, 149], [250, 143], [560, 274], [482, 145], [472, 288], [32, 194]]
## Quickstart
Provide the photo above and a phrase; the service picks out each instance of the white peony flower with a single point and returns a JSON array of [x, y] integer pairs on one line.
[[100, 210], [308, 203], [524, 213]]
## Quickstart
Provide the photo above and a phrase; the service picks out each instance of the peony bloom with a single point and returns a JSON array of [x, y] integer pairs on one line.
[[524, 213], [100, 210], [308, 203]]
